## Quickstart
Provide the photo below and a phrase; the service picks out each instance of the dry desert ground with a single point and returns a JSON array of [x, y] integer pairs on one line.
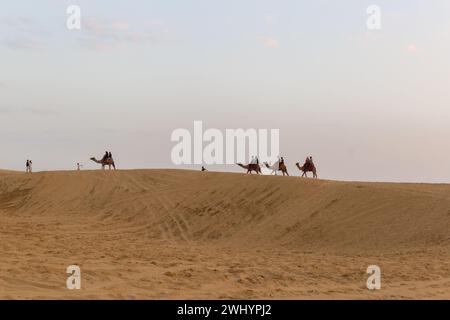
[[179, 234]]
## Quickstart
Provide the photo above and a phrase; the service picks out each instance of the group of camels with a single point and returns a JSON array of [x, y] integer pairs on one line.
[[277, 166]]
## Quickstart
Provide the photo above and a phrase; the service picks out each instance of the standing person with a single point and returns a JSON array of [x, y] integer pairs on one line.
[[27, 166], [78, 166], [31, 166]]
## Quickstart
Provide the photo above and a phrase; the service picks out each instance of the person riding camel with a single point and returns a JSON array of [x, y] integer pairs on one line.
[[106, 155], [307, 163], [280, 163]]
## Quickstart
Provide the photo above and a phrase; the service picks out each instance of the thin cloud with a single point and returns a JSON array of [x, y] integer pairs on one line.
[[5, 109], [23, 24], [23, 44], [105, 35], [270, 19], [36, 111], [23, 33], [269, 42], [40, 111], [411, 47], [120, 25]]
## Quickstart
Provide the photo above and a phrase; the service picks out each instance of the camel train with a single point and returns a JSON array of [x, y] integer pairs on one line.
[[280, 166]]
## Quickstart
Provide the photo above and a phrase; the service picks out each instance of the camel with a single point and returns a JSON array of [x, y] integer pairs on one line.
[[105, 162], [277, 167], [251, 167], [311, 168]]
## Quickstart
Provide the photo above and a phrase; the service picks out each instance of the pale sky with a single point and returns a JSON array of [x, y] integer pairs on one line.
[[366, 104]]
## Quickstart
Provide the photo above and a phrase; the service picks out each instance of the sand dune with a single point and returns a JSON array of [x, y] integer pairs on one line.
[[158, 234], [7, 172]]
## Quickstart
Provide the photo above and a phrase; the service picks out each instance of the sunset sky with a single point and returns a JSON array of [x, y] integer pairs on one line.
[[366, 104]]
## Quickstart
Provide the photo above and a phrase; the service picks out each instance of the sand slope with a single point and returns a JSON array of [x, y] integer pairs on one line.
[[182, 234]]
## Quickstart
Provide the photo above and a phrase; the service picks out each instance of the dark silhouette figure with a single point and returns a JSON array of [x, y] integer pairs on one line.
[[281, 163], [30, 166]]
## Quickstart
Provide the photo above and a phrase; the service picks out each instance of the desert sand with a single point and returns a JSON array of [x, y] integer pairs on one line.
[[179, 234]]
